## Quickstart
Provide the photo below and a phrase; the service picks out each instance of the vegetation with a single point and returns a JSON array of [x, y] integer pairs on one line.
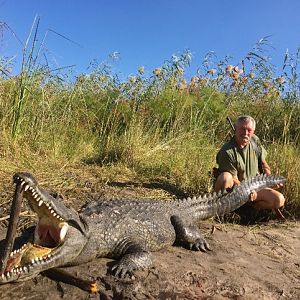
[[159, 125]]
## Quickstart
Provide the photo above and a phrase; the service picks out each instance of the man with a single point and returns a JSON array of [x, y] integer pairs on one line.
[[244, 157]]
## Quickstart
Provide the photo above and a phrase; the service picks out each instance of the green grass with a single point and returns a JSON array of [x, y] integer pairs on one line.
[[158, 126]]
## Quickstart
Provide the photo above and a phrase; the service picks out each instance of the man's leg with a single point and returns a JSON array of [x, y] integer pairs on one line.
[[223, 182], [269, 199]]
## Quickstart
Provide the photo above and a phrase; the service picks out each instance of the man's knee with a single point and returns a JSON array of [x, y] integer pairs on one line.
[[224, 181], [279, 201], [269, 199]]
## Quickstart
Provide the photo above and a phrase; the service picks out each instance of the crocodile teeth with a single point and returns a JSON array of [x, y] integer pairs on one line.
[[26, 188], [63, 231], [40, 202]]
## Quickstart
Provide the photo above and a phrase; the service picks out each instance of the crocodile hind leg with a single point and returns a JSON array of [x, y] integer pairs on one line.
[[189, 235], [133, 257]]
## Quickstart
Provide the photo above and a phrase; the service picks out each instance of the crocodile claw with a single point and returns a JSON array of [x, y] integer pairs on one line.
[[121, 270], [200, 245], [130, 263]]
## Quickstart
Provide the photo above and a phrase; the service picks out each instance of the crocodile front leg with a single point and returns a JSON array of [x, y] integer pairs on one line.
[[189, 235], [133, 257]]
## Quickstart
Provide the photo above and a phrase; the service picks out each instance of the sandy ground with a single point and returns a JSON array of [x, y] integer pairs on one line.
[[260, 261], [247, 262]]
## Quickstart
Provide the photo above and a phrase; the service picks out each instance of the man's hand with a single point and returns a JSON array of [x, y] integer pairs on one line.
[[266, 168], [252, 196], [235, 181], [277, 186]]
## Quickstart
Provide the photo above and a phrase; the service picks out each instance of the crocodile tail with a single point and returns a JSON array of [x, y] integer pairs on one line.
[[221, 203]]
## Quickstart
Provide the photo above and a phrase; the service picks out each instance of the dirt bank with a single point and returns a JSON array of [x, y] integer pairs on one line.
[[260, 261], [247, 262]]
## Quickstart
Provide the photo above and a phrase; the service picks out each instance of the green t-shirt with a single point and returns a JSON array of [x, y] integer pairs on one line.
[[240, 162]]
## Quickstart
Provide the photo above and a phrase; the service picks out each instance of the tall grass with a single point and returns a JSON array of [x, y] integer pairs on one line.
[[160, 125]]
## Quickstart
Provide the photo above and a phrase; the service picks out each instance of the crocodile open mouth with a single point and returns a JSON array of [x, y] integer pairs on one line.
[[49, 233]]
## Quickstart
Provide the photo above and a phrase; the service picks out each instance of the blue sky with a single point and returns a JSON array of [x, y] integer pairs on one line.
[[146, 33]]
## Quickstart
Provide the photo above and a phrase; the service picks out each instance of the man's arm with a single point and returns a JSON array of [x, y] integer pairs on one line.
[[267, 171], [264, 165], [235, 180], [266, 168]]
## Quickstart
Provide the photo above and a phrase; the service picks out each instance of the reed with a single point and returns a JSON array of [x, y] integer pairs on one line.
[[160, 125]]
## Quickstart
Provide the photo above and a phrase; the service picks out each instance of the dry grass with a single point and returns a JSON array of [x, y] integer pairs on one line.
[[151, 128]]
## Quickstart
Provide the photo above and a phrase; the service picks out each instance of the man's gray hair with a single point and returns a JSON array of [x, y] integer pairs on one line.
[[245, 119]]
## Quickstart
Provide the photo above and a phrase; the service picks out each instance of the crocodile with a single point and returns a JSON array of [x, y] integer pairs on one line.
[[125, 230]]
